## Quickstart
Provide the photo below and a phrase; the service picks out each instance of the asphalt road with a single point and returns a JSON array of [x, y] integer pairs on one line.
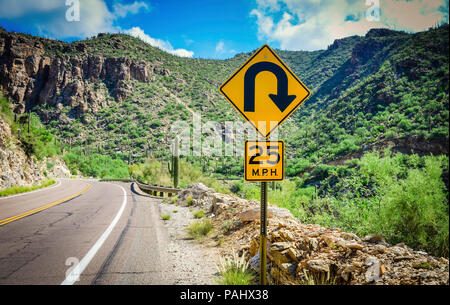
[[110, 231]]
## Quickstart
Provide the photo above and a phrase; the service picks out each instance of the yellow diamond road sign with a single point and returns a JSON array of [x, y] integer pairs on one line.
[[265, 91]]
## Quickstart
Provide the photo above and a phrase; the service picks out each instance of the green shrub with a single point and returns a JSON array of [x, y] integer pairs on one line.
[[165, 217], [236, 187], [235, 271], [189, 200], [38, 142], [199, 214], [200, 229], [415, 210], [50, 165], [227, 225], [95, 165], [321, 171]]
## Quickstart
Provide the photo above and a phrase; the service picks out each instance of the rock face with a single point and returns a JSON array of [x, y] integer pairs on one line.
[[307, 253], [17, 169], [79, 80]]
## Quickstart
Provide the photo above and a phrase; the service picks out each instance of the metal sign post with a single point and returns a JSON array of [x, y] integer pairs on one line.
[[263, 236], [176, 166]]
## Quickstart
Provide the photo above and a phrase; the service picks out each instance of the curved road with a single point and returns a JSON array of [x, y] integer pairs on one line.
[[110, 230]]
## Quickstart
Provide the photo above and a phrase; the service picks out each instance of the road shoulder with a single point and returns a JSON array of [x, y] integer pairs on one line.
[[192, 262]]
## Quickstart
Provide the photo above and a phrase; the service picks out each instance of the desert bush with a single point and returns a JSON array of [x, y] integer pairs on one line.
[[200, 228], [235, 271]]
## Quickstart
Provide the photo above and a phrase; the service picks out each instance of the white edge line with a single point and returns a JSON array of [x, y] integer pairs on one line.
[[73, 276], [35, 191]]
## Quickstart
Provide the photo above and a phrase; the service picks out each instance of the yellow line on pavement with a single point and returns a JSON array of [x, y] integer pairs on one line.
[[47, 206]]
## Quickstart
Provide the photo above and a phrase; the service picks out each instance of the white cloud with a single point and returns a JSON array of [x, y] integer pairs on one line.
[[314, 24], [49, 18], [14, 9], [162, 44], [220, 47], [95, 18], [122, 10], [222, 50]]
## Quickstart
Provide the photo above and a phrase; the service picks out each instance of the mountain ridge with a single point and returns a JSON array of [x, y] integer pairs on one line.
[[103, 87]]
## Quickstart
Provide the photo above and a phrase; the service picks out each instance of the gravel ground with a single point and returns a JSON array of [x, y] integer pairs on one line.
[[191, 262]]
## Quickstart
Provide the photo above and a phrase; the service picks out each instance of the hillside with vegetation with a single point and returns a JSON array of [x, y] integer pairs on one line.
[[29, 153], [368, 152]]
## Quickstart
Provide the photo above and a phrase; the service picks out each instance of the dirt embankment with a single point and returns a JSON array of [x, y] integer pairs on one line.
[[307, 253]]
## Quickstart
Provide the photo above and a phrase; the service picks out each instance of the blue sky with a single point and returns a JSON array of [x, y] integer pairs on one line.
[[220, 29]]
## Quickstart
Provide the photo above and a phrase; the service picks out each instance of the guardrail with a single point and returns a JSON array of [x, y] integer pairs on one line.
[[147, 188], [116, 179]]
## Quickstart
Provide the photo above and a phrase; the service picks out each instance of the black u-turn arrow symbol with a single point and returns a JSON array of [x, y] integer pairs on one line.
[[282, 100]]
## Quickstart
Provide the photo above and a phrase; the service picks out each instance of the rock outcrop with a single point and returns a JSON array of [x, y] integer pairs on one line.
[[18, 169], [84, 82], [307, 253]]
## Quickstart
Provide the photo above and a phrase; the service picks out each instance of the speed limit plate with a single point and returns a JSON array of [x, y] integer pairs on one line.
[[264, 160]]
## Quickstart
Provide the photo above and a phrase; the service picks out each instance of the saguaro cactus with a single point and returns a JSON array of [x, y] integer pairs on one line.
[[175, 162]]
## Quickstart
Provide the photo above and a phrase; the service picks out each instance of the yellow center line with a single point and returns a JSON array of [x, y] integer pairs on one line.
[[47, 206]]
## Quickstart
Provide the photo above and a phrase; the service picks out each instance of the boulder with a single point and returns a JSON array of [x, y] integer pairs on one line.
[[251, 215], [295, 254], [276, 257], [345, 272], [373, 238], [197, 194], [373, 271], [318, 266], [354, 246]]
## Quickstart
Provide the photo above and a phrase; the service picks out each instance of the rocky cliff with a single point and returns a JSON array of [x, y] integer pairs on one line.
[[38, 71], [16, 168]]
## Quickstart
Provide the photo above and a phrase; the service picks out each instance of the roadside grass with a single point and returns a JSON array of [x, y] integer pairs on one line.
[[227, 225], [199, 214], [200, 228], [189, 200], [235, 271], [22, 189], [321, 279], [165, 217]]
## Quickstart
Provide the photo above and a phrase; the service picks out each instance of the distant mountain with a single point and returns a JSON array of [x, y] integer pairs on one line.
[[115, 93]]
